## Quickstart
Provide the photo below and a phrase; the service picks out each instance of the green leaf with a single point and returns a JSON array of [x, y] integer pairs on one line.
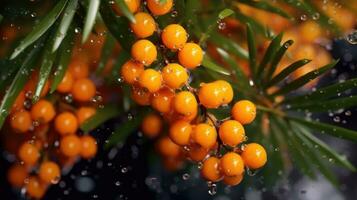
[[263, 5], [206, 62], [225, 13], [101, 116], [287, 71], [65, 23], [304, 79], [40, 28], [252, 49], [124, 8], [228, 45], [1, 18], [324, 106], [90, 19], [106, 52]]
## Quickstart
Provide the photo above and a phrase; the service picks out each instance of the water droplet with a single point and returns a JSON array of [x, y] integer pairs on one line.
[[316, 16], [303, 17], [185, 176], [117, 183], [124, 170], [212, 188], [352, 37], [336, 119]]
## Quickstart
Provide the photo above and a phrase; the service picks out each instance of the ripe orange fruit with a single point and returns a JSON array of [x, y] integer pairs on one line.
[[174, 36], [70, 145], [89, 147], [66, 123], [49, 172], [205, 135], [254, 156], [151, 125], [210, 169], [190, 56], [158, 8], [83, 89], [35, 188], [162, 99], [310, 31], [84, 113], [16, 175], [144, 25], [180, 132], [185, 103], [214, 94], [151, 80], [227, 91], [174, 75], [140, 96], [167, 147], [231, 133], [66, 84], [144, 52], [131, 71], [233, 180], [197, 153], [43, 111], [78, 68], [133, 6], [21, 121], [19, 102], [244, 111], [232, 164], [28, 153]]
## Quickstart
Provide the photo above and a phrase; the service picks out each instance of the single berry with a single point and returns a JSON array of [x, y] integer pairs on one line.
[[185, 103], [70, 145], [144, 25], [89, 147], [167, 147], [43, 111], [205, 135], [78, 68], [144, 52], [35, 188], [244, 111], [49, 172], [29, 153], [254, 156], [210, 169], [159, 8], [131, 71], [232, 164], [151, 80], [21, 121], [231, 132], [66, 83], [162, 100], [84, 113], [16, 175], [174, 75], [83, 90], [66, 123], [151, 125], [180, 132], [233, 180], [190, 56], [174, 36]]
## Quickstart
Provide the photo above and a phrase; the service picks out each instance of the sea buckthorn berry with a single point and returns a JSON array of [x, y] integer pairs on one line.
[[211, 95], [16, 175], [83, 89], [140, 96], [180, 132], [131, 71], [78, 68], [233, 180], [185, 103], [197, 153], [66, 84], [232, 164], [227, 91], [84, 113], [19, 102], [174, 75], [49, 172], [66, 123], [167, 147], [231, 133], [190, 56], [144, 52], [210, 169], [205, 135], [151, 125], [43, 111], [89, 147], [70, 145], [244, 111], [21, 121], [35, 188], [174, 36], [157, 7], [162, 99], [29, 153], [144, 25], [254, 156], [133, 6], [151, 80]]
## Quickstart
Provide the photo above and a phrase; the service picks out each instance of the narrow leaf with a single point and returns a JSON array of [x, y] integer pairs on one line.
[[106, 52], [124, 8], [90, 19], [252, 49], [326, 106], [228, 45], [213, 66], [225, 13]]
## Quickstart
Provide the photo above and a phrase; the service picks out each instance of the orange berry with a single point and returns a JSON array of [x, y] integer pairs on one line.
[[310, 31], [190, 56], [174, 36], [19, 102], [140, 96], [254, 156], [131, 71], [158, 8], [244, 111], [197, 153], [35, 188], [66, 123], [144, 52], [66, 84], [161, 100], [167, 147], [151, 80], [231, 133], [180, 132], [205, 135], [133, 6], [89, 147], [233, 180], [210, 169], [78, 68], [227, 91], [43, 111], [70, 145], [144, 25], [17, 175], [21, 121], [151, 125], [174, 75], [232, 164], [185, 103], [49, 172], [83, 89], [214, 94], [28, 153], [84, 113]]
